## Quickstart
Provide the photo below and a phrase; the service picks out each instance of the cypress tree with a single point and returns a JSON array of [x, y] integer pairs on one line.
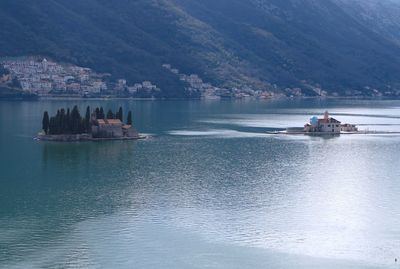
[[45, 122], [52, 126], [101, 113], [82, 126], [110, 114], [129, 121], [120, 114], [63, 124], [87, 120], [68, 122], [55, 122], [75, 120], [97, 112]]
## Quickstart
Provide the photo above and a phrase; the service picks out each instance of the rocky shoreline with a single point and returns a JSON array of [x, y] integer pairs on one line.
[[81, 138]]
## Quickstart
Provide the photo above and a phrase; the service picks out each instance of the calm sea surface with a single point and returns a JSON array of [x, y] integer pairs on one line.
[[209, 189]]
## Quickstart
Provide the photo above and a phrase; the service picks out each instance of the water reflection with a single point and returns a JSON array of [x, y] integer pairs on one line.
[[86, 156]]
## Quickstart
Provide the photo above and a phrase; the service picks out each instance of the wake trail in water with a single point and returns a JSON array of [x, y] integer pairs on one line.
[[217, 133]]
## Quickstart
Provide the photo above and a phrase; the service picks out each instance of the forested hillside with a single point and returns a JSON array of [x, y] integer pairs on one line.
[[230, 43]]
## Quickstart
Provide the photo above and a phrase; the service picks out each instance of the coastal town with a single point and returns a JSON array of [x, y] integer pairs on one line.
[[209, 91], [42, 77], [47, 78]]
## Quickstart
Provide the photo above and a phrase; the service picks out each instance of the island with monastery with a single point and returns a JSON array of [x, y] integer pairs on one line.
[[326, 125], [69, 126]]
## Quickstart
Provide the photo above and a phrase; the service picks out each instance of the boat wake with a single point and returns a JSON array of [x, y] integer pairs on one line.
[[216, 133]]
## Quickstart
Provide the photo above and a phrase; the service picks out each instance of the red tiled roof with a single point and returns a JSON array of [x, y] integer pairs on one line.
[[333, 120], [109, 121], [330, 120], [113, 121]]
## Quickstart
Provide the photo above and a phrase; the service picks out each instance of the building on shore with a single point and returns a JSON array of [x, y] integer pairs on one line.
[[347, 127], [328, 125], [112, 128], [325, 125]]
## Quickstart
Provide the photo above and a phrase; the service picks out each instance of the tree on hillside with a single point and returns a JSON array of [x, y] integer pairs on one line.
[[45, 122], [3, 71], [15, 83], [129, 121]]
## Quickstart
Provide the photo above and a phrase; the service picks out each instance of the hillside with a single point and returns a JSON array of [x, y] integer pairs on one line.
[[230, 43], [382, 17]]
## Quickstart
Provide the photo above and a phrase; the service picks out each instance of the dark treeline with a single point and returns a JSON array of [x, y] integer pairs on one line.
[[3, 71], [71, 122]]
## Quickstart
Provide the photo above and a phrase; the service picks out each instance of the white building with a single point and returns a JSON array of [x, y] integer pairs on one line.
[[349, 128], [325, 125]]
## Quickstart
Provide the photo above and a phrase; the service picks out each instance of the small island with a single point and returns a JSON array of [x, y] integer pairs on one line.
[[69, 126], [326, 125], [330, 126]]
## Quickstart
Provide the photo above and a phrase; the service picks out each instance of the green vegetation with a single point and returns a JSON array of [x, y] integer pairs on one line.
[[110, 114], [227, 42], [87, 118], [64, 122], [129, 121], [15, 83], [12, 93], [100, 113], [71, 122], [3, 71], [119, 115], [45, 122]]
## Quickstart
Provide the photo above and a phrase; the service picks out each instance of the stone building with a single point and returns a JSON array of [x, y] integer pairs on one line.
[[325, 125], [112, 128]]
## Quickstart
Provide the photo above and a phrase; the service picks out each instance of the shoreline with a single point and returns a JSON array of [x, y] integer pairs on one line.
[[50, 98], [84, 138], [365, 132]]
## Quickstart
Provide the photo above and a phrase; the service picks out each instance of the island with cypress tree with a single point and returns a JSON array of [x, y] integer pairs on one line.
[[69, 125]]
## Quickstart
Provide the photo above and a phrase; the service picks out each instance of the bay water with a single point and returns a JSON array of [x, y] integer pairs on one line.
[[208, 188]]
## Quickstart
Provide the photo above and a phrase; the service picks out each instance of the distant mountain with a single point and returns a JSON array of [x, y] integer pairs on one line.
[[382, 17], [265, 44]]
